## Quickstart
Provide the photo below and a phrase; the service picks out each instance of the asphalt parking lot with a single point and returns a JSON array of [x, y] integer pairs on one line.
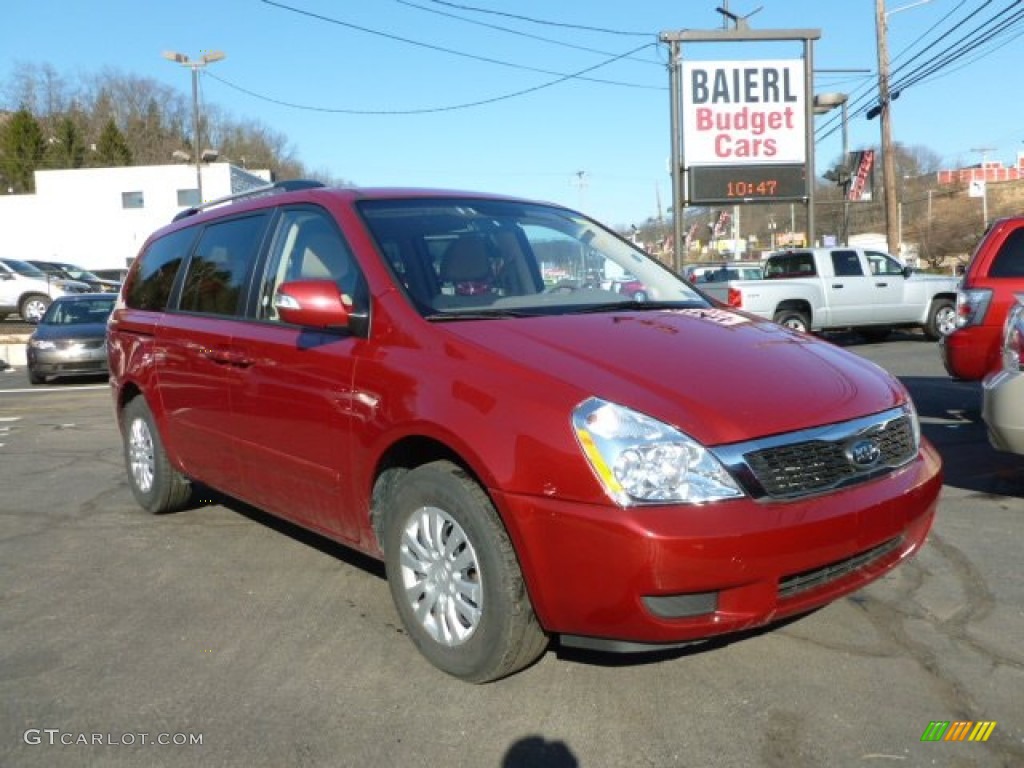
[[219, 636]]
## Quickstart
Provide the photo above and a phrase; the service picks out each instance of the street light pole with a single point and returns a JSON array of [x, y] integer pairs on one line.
[[195, 65], [824, 103]]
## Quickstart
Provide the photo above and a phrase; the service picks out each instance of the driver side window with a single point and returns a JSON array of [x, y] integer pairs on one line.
[[307, 246]]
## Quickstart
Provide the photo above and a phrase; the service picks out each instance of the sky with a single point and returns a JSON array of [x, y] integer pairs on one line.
[[566, 102]]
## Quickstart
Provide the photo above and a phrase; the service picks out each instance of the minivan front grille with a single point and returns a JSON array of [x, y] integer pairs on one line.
[[822, 459]]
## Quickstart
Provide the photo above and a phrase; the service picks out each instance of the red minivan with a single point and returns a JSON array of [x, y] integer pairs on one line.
[[992, 281], [389, 369]]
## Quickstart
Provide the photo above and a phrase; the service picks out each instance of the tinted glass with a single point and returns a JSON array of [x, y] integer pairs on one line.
[[1009, 262], [795, 264], [217, 272], [149, 285], [846, 264]]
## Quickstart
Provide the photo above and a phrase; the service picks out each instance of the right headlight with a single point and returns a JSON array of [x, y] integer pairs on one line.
[[642, 460]]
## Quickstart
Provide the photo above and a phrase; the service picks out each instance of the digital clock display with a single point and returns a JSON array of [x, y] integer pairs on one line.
[[716, 184]]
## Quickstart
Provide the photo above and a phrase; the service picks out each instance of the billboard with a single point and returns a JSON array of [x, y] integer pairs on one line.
[[744, 112]]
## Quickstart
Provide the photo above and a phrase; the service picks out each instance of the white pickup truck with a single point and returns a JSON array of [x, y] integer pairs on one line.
[[821, 289]]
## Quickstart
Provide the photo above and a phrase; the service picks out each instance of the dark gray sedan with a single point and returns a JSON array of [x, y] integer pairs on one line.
[[70, 339]]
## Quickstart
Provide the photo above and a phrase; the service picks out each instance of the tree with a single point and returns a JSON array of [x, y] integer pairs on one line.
[[67, 146], [112, 149], [22, 148]]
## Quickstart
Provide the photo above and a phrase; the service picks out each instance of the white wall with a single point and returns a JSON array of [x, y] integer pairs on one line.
[[78, 216]]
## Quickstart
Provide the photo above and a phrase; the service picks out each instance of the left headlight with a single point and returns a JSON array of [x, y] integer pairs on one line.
[[41, 344], [642, 460]]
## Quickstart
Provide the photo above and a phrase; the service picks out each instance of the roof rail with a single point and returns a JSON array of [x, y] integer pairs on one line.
[[289, 185]]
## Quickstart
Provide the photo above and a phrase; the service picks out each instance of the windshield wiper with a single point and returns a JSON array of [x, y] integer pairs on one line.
[[479, 314], [633, 306]]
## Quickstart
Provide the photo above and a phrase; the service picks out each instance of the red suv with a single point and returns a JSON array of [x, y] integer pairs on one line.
[[993, 279], [387, 368]]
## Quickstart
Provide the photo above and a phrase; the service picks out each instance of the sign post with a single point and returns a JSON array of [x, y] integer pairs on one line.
[[742, 129]]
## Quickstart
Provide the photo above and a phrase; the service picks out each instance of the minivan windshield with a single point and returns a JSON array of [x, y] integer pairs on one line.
[[512, 258]]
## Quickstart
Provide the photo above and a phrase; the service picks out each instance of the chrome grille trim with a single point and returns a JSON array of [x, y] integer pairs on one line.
[[822, 459]]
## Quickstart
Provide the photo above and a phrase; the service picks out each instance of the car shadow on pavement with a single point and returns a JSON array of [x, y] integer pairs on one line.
[[203, 496], [658, 655], [950, 413]]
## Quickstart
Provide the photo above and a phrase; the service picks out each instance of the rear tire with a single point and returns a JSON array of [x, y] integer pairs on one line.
[[941, 319], [157, 486], [794, 320], [454, 576]]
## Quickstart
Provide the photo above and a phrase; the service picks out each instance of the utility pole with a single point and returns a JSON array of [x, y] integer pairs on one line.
[[884, 105]]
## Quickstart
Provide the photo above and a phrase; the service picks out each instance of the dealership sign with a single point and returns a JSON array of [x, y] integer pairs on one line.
[[745, 130], [738, 112]]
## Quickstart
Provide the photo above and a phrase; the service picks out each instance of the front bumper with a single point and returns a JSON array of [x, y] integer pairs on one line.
[[1002, 408], [672, 574], [67, 362]]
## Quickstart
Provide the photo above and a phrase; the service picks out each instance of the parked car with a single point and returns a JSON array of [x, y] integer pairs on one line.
[[528, 461], [28, 290], [628, 285], [70, 339], [1003, 388], [68, 271], [829, 289], [993, 279]]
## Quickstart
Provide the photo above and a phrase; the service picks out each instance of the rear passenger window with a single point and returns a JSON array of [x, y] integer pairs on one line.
[[216, 278], [149, 286], [846, 264], [1009, 261]]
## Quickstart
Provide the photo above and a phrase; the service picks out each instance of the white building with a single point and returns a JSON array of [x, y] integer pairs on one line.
[[98, 218]]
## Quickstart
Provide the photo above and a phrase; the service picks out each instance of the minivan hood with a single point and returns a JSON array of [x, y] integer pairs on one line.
[[717, 375]]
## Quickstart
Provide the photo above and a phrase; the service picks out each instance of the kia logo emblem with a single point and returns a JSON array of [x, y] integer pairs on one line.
[[864, 453]]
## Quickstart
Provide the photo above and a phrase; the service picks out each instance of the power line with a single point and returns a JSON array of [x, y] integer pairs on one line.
[[940, 61], [532, 20], [516, 32], [452, 52], [427, 110]]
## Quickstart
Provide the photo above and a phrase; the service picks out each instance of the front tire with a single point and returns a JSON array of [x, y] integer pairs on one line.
[[454, 576], [34, 378], [33, 307], [941, 319], [157, 486], [794, 320]]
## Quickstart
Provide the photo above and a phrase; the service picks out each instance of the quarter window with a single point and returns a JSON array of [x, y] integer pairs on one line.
[[1009, 262], [150, 286]]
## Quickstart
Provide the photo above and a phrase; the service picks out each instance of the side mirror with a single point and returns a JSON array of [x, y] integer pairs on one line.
[[907, 271], [318, 304]]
